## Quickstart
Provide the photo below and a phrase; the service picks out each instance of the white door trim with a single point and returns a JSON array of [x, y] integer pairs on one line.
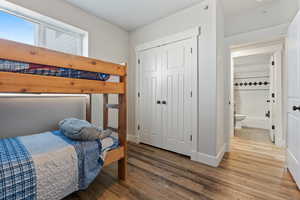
[[274, 49], [189, 34]]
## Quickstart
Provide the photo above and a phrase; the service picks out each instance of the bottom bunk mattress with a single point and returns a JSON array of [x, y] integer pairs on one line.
[[49, 165]]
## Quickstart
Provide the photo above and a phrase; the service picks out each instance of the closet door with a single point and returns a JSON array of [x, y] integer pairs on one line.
[[150, 97], [177, 96], [293, 139]]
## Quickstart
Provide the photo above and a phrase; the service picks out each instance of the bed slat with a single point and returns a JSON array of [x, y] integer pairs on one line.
[[114, 155]]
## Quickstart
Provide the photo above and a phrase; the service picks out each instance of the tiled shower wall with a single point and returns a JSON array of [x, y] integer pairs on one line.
[[251, 96]]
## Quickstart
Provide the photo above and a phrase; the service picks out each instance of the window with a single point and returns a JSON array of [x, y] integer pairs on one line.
[[62, 41], [22, 25], [17, 29]]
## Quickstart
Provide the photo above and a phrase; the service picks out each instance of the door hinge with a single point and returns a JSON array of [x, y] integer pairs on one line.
[[273, 127], [273, 139], [273, 63], [139, 94], [191, 50], [191, 94], [273, 95], [139, 127], [191, 138], [139, 61]]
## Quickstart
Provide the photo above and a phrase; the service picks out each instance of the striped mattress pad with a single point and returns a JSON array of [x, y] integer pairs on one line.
[[45, 70]]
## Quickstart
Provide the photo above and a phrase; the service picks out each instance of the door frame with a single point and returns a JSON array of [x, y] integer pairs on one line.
[[275, 49], [193, 34]]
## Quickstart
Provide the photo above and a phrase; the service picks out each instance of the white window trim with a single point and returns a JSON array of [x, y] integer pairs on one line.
[[44, 20]]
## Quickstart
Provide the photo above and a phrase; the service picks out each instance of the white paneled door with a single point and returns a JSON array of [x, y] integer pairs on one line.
[[177, 96], [150, 97], [293, 139], [166, 96]]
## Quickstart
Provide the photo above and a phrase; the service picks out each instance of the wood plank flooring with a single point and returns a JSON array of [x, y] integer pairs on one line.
[[250, 171]]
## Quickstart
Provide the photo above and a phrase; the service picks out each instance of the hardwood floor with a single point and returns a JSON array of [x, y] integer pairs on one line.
[[251, 171]]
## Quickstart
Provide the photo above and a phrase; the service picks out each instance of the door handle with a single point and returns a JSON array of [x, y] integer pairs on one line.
[[164, 102], [158, 102], [296, 108]]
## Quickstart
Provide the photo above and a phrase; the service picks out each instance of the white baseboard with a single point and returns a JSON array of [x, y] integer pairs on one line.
[[293, 166], [133, 138], [213, 161]]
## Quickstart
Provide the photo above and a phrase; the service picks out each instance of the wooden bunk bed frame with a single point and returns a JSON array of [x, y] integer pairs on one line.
[[11, 82]]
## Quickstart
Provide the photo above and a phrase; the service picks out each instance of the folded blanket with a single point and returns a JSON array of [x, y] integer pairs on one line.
[[92, 133], [81, 130]]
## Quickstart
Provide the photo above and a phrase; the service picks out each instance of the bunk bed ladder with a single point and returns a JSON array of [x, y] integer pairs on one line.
[[122, 126]]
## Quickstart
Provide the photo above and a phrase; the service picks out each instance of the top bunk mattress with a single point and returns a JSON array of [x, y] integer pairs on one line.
[[45, 70]]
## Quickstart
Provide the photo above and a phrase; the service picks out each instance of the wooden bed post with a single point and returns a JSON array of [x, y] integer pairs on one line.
[[105, 111], [122, 125], [89, 108], [122, 122]]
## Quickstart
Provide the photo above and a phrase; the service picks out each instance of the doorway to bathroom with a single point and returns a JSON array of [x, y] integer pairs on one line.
[[256, 93]]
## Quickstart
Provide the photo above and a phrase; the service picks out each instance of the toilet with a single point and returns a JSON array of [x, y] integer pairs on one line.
[[238, 120]]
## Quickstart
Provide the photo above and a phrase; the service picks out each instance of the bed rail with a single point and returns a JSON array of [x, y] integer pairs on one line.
[[31, 54], [32, 83]]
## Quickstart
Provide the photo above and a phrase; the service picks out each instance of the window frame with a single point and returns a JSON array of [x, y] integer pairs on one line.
[[42, 22]]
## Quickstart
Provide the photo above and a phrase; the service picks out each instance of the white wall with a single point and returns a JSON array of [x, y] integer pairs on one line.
[[209, 88], [106, 41], [220, 76]]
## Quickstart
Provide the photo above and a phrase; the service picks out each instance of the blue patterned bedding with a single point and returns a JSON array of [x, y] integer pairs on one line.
[[17, 174], [49, 165], [30, 68]]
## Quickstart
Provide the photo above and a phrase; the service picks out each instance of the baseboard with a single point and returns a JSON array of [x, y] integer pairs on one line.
[[293, 166], [213, 161], [133, 138]]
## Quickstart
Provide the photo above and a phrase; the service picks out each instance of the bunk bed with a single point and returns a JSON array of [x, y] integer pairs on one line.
[[30, 69]]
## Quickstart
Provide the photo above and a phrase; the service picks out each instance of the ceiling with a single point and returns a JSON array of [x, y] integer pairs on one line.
[[131, 14], [244, 16], [236, 7]]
